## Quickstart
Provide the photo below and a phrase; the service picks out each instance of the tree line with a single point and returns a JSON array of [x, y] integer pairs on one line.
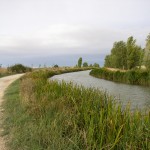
[[128, 55], [85, 64], [146, 58]]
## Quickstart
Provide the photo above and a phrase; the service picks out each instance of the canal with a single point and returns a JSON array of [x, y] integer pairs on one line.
[[137, 96]]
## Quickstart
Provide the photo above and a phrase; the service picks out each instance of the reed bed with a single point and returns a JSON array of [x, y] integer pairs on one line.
[[47, 115], [137, 77]]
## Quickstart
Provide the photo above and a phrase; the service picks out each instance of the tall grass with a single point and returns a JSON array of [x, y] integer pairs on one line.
[[61, 116], [138, 77], [4, 72]]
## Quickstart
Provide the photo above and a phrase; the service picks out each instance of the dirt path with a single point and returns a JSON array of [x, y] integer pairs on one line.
[[4, 83], [116, 69]]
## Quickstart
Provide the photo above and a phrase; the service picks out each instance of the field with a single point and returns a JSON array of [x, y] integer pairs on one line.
[[42, 115]]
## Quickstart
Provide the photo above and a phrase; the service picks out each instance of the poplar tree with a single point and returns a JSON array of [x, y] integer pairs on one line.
[[147, 52], [80, 62]]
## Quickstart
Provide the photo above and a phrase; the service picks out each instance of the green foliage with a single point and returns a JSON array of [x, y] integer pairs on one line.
[[147, 53], [119, 51], [125, 55], [80, 62], [108, 62], [52, 115], [4, 74], [96, 65], [134, 53], [19, 68], [85, 64], [138, 77], [56, 66]]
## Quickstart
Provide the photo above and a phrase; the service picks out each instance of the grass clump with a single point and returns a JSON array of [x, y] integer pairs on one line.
[[4, 72], [137, 77], [44, 115]]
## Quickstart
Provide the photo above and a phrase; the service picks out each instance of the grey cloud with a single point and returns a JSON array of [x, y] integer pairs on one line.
[[77, 39]]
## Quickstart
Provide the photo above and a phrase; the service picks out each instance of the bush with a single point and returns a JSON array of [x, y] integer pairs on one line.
[[56, 66], [96, 65], [85, 64], [19, 68]]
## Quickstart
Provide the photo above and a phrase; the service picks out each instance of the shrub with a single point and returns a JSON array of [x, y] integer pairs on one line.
[[96, 65], [85, 64], [19, 68], [56, 66]]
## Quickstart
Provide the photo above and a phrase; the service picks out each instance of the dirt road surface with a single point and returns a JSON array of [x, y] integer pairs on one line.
[[4, 83]]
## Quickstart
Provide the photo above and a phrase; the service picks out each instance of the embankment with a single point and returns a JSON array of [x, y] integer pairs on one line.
[[51, 115], [137, 77]]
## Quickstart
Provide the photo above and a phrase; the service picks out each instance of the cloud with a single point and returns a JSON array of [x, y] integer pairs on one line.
[[67, 39]]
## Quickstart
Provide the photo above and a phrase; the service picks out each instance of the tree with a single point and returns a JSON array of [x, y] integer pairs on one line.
[[80, 62], [110, 61], [85, 64], [146, 58], [124, 55], [96, 65], [118, 56], [130, 52], [134, 53], [107, 62], [19, 68], [56, 66]]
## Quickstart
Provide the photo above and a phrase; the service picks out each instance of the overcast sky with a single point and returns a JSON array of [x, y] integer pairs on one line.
[[54, 27]]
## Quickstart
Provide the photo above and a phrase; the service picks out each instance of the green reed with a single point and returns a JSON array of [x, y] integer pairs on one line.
[[138, 77], [48, 115]]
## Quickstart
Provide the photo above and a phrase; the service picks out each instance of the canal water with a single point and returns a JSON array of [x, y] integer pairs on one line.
[[137, 96]]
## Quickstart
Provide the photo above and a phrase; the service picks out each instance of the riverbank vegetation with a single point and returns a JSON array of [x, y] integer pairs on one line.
[[129, 55], [125, 55], [17, 68], [138, 77], [85, 64], [147, 53], [46, 115], [4, 72]]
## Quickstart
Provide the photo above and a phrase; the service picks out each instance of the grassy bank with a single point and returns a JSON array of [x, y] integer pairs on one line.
[[137, 77], [4, 72], [41, 115]]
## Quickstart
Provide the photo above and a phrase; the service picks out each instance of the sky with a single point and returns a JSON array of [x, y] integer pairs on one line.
[[32, 30]]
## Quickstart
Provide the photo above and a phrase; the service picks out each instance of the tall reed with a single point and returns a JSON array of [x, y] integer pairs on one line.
[[61, 116], [138, 77]]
